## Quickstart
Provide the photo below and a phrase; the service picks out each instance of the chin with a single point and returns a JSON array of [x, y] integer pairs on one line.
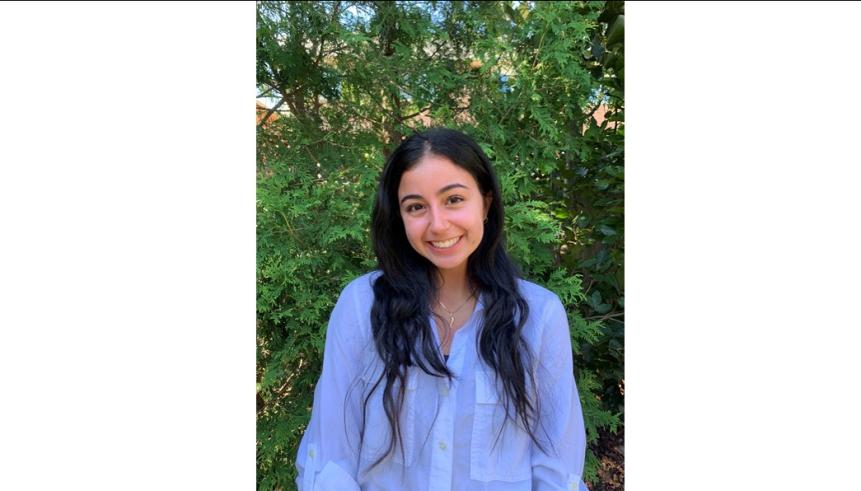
[[447, 265]]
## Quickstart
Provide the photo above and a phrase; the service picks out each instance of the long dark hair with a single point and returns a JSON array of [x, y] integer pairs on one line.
[[404, 291]]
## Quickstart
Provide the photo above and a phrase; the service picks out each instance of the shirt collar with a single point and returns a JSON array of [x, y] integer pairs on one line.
[[479, 304]]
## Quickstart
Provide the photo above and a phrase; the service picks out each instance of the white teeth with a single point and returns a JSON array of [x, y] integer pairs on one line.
[[445, 244]]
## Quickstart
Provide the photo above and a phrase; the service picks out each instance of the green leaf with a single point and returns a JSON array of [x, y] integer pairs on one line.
[[604, 229], [602, 184]]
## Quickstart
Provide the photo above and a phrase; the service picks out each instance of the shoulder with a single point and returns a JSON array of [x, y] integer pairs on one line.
[[547, 322], [540, 299], [547, 331], [361, 288], [350, 319]]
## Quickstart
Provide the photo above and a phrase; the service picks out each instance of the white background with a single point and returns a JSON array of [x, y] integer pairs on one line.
[[127, 259]]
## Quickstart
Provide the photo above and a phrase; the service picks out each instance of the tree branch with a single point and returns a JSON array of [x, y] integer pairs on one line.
[[266, 92], [348, 108], [311, 155], [291, 230], [271, 111], [410, 116], [604, 317]]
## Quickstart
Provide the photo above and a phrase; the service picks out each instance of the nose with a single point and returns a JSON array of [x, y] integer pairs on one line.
[[438, 220]]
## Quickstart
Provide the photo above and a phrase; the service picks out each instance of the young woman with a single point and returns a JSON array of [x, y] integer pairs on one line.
[[442, 369]]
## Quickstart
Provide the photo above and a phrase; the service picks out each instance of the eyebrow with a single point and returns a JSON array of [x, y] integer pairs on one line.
[[441, 191]]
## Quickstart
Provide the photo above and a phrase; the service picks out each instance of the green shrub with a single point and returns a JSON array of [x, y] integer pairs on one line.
[[353, 78]]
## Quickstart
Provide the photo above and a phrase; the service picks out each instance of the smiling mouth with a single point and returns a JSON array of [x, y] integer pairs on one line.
[[445, 244]]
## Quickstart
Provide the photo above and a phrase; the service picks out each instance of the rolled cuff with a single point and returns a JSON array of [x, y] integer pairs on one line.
[[334, 478]]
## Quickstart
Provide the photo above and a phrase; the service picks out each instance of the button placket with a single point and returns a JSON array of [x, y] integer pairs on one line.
[[442, 386], [442, 458]]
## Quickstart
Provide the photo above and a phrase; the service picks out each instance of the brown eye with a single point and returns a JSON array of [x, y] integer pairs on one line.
[[413, 207], [455, 199]]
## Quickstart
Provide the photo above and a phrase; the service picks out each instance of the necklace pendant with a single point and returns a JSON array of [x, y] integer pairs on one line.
[[450, 322]]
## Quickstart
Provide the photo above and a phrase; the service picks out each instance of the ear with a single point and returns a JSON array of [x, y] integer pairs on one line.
[[488, 199]]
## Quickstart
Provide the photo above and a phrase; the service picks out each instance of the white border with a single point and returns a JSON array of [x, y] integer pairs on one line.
[[742, 198], [127, 310]]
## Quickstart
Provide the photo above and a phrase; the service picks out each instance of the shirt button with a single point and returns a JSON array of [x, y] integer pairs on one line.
[[442, 445], [311, 453], [443, 389]]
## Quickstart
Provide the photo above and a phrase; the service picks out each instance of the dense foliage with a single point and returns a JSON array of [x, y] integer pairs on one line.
[[348, 80]]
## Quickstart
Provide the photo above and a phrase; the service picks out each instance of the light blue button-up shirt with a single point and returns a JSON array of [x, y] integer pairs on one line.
[[451, 430]]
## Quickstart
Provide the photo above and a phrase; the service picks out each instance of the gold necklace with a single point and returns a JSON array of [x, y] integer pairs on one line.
[[448, 334]]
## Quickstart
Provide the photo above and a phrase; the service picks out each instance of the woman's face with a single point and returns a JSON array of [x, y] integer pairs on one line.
[[443, 211]]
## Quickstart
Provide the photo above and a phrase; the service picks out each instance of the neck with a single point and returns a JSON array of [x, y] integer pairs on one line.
[[454, 285]]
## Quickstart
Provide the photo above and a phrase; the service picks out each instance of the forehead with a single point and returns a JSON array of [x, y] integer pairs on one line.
[[432, 173]]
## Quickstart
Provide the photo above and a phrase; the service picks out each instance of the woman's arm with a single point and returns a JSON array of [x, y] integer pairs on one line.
[[561, 430], [328, 457]]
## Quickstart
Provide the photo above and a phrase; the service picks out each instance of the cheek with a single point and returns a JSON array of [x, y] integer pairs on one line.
[[413, 230], [478, 226], [478, 231], [474, 218]]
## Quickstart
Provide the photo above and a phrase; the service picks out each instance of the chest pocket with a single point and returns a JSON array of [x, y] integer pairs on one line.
[[378, 432], [499, 452]]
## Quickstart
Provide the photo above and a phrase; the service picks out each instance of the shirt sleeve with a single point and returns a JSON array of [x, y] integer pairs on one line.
[[560, 465], [328, 458]]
